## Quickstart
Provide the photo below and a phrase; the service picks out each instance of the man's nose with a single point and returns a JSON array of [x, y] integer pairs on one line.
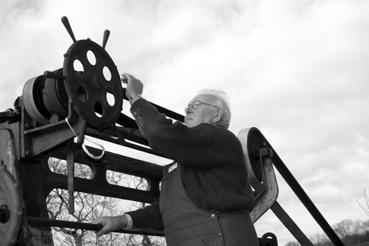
[[187, 110]]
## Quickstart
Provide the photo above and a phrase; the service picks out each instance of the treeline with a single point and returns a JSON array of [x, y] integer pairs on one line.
[[351, 232]]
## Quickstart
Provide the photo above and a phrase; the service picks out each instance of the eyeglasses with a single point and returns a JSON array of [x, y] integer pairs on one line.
[[197, 104]]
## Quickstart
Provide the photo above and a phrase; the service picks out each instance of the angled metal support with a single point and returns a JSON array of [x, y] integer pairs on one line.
[[258, 159]]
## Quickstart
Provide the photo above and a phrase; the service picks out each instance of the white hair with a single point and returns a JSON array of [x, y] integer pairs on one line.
[[224, 104]]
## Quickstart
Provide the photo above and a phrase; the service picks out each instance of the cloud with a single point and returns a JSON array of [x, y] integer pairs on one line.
[[297, 70]]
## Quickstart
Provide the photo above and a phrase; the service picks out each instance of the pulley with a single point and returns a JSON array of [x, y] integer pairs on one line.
[[10, 208], [45, 95], [32, 99]]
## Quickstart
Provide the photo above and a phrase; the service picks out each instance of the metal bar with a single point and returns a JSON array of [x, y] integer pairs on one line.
[[115, 162], [143, 149], [163, 110], [120, 141], [131, 134], [118, 135], [70, 178], [295, 186], [86, 226], [169, 113], [126, 121], [290, 225], [91, 186]]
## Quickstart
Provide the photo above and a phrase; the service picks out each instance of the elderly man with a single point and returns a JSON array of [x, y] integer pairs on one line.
[[205, 197]]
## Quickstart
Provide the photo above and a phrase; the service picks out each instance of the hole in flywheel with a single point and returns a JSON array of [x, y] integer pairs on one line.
[[110, 98], [98, 109], [107, 73], [77, 66], [4, 213], [91, 57], [82, 95]]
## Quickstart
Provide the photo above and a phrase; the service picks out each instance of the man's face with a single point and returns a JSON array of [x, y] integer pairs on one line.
[[201, 109]]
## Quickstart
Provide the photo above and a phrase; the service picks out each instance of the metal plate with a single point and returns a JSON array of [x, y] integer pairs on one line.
[[89, 84], [10, 204]]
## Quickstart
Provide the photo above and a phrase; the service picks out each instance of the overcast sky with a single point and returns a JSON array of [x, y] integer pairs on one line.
[[297, 70]]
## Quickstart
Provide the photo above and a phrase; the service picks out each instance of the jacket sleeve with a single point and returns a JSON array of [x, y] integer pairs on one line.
[[189, 146], [148, 217]]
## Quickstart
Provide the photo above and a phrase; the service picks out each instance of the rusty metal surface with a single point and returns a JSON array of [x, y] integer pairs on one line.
[[10, 206], [8, 155]]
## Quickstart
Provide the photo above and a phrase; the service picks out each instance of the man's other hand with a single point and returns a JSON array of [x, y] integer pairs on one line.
[[111, 223]]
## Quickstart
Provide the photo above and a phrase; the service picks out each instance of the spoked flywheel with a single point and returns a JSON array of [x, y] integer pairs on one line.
[[93, 83]]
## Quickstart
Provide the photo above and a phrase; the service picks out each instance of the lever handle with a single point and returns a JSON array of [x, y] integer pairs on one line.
[[105, 38], [67, 26]]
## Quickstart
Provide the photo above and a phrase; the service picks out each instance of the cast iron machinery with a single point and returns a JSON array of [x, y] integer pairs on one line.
[[84, 98]]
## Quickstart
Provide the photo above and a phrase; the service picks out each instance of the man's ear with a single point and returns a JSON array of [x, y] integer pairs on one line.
[[217, 115]]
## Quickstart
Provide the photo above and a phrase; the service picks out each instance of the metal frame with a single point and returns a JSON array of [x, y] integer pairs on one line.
[[33, 144]]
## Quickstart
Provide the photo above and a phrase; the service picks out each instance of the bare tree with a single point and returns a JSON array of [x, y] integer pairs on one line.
[[320, 239], [140, 184], [292, 244], [89, 207], [349, 227], [365, 206]]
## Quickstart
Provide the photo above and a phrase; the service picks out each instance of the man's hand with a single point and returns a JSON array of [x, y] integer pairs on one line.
[[111, 223], [134, 87]]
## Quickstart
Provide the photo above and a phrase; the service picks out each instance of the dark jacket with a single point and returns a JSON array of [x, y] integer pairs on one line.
[[211, 159]]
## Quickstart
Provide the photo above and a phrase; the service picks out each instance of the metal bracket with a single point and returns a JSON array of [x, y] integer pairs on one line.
[[258, 159]]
